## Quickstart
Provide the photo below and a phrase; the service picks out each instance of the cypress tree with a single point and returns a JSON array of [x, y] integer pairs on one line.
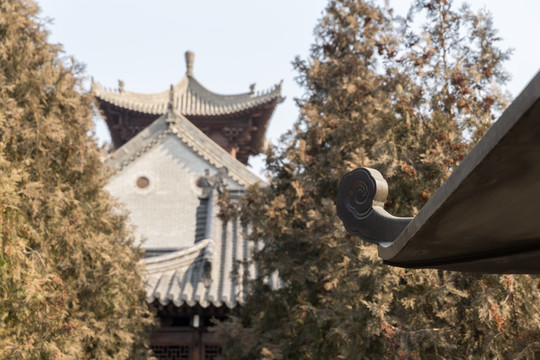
[[408, 98], [70, 286]]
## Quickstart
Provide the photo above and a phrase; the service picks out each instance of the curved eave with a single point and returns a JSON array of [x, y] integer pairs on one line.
[[178, 278], [259, 138], [484, 218], [176, 259], [190, 98], [261, 120], [183, 279], [185, 309]]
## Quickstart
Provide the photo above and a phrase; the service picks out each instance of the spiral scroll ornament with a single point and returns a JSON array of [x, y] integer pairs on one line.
[[355, 197], [361, 196], [359, 190]]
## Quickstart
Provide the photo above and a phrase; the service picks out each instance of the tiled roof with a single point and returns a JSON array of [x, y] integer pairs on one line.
[[201, 275], [178, 125], [188, 97]]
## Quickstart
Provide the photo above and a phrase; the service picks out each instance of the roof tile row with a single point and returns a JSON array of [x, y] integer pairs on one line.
[[188, 97]]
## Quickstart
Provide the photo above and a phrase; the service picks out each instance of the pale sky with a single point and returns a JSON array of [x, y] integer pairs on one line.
[[236, 43]]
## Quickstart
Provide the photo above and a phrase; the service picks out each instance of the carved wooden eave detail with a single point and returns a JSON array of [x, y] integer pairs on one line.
[[484, 218]]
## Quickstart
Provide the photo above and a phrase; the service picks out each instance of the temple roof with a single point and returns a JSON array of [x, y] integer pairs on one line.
[[183, 276], [483, 219], [188, 97], [236, 122], [177, 125], [223, 130], [201, 275]]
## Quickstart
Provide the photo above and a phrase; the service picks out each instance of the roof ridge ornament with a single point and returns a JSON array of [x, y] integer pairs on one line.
[[190, 58], [170, 106], [217, 181], [361, 196]]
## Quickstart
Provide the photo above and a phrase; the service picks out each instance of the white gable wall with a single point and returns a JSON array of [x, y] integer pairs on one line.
[[165, 211]]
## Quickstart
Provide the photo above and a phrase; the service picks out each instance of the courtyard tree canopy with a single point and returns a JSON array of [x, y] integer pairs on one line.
[[70, 286], [409, 97]]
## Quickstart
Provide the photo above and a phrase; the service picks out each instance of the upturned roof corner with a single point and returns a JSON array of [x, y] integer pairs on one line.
[[483, 219], [361, 197], [192, 98]]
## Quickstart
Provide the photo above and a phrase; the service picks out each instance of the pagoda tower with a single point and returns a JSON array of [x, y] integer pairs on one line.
[[236, 122], [175, 152]]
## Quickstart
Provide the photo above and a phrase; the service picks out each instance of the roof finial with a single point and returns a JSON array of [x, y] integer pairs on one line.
[[170, 105], [190, 57]]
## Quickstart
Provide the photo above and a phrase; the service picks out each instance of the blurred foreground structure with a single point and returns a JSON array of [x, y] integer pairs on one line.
[[483, 219], [175, 153]]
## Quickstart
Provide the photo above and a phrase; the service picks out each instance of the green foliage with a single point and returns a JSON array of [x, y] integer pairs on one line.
[[409, 99], [70, 286]]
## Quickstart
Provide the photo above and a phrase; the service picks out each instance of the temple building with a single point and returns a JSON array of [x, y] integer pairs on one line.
[[235, 122], [175, 152]]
